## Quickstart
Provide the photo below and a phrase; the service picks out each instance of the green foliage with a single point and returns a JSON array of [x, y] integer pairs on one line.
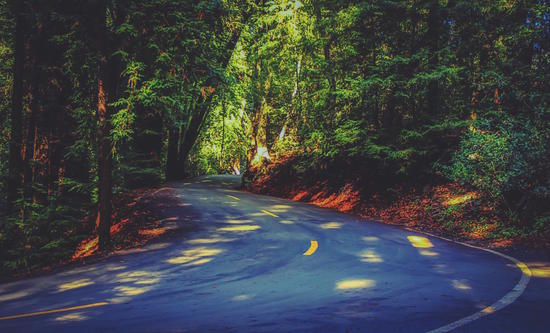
[[6, 63], [370, 92], [507, 160], [390, 87]]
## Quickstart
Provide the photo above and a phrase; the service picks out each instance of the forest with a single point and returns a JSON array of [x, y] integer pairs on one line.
[[356, 105]]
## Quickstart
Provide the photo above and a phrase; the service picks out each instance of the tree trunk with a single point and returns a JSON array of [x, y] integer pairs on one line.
[[223, 134], [30, 148], [189, 136], [15, 162], [172, 153], [104, 155], [104, 160]]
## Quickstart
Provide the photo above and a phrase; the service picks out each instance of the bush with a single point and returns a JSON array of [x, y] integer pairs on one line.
[[506, 161]]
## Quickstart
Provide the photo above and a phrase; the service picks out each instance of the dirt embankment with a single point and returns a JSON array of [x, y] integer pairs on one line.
[[443, 208], [138, 219]]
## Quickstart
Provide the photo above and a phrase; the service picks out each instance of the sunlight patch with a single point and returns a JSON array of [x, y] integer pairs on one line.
[[428, 253], [240, 298], [75, 284], [131, 291], [420, 242], [279, 208], [461, 285], [12, 296], [238, 228], [238, 221], [370, 256], [355, 284], [78, 316], [111, 268], [138, 277], [210, 240], [331, 225], [195, 257], [460, 199], [148, 281]]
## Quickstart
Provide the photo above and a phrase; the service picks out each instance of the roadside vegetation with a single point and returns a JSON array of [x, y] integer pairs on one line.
[[433, 114]]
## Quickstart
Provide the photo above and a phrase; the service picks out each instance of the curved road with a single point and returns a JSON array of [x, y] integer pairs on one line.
[[239, 265]]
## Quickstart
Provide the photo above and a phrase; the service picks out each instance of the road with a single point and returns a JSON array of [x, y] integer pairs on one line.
[[251, 263]]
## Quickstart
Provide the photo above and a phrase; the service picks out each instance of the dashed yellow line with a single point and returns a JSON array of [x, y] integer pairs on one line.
[[312, 248], [269, 213], [233, 197], [80, 307]]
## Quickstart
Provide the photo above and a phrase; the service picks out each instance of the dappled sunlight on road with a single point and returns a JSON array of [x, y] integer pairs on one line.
[[212, 240], [424, 246], [257, 214], [233, 262], [461, 285], [131, 291], [240, 228], [227, 190], [134, 283], [112, 268], [13, 296], [138, 277], [195, 256], [70, 317], [74, 284], [279, 208], [354, 284], [370, 256], [331, 225], [238, 221], [428, 253], [240, 298], [420, 242]]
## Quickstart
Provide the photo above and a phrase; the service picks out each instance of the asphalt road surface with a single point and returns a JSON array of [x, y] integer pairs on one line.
[[251, 263]]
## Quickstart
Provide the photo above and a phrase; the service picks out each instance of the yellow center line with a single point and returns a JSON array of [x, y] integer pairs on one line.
[[233, 197], [269, 213], [312, 248], [80, 307]]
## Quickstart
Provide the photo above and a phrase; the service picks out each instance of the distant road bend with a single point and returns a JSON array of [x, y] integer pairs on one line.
[[252, 263]]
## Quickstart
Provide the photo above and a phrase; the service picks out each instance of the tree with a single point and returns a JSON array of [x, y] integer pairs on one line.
[[15, 162]]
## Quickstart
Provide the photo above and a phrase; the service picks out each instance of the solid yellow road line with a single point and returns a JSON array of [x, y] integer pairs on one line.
[[80, 307], [312, 248], [269, 213], [232, 197]]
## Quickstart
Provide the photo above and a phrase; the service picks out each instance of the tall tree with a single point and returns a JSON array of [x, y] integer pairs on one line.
[[15, 158]]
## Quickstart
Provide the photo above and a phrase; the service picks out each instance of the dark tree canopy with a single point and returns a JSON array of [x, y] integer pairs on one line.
[[102, 97]]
